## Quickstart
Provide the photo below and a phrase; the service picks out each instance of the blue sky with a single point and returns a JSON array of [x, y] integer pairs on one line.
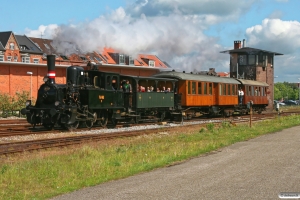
[[188, 34]]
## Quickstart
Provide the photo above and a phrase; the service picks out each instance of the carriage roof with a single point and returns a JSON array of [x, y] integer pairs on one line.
[[196, 77]]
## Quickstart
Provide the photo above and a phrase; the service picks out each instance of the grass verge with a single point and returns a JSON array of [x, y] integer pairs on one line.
[[47, 174]]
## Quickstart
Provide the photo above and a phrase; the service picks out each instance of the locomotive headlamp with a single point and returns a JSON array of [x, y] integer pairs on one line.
[[56, 103], [28, 103], [45, 79]]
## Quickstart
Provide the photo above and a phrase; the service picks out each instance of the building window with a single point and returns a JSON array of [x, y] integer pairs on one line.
[[1, 58], [47, 46], [15, 58], [121, 59], [131, 61], [251, 59], [26, 59], [151, 63], [24, 47], [12, 46], [9, 58], [83, 58], [64, 57], [242, 59], [36, 60]]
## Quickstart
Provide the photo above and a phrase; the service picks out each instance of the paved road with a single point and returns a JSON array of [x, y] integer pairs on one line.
[[260, 168]]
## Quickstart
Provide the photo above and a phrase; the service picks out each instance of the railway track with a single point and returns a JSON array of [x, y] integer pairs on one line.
[[84, 135]]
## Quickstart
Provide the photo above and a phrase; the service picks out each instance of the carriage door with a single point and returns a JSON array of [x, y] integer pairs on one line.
[[215, 92]]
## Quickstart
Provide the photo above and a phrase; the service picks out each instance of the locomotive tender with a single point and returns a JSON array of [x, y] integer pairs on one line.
[[94, 97]]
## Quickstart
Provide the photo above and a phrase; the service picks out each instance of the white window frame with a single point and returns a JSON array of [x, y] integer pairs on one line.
[[131, 60], [25, 59], [36, 60], [121, 59], [151, 63], [12, 46], [9, 58], [15, 58], [1, 57], [47, 46]]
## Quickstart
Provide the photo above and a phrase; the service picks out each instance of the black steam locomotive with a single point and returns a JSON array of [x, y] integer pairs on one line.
[[94, 97]]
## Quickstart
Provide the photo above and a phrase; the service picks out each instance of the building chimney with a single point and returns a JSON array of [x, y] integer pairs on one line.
[[237, 44], [244, 43], [51, 68]]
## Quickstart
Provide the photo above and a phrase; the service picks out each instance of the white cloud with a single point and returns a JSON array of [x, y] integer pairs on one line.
[[43, 30], [175, 38], [282, 37], [278, 35]]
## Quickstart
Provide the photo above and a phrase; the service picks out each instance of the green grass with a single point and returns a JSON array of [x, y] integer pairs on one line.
[[45, 176]]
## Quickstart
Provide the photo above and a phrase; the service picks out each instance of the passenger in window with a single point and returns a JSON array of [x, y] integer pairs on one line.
[[163, 89], [114, 84], [168, 90], [151, 89], [157, 90], [86, 79], [241, 95], [128, 87], [148, 89]]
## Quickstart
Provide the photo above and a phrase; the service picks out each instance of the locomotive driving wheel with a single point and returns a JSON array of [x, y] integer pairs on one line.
[[103, 119], [89, 123], [48, 126], [73, 126]]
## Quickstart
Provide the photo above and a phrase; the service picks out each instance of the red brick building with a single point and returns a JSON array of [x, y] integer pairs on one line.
[[253, 64], [23, 62]]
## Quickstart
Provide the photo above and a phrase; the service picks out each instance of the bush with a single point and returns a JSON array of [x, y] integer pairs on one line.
[[13, 103]]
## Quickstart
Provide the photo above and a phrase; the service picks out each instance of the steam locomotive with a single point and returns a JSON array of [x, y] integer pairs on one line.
[[95, 97]]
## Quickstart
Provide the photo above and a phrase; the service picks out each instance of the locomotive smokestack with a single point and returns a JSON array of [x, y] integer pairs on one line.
[[51, 68]]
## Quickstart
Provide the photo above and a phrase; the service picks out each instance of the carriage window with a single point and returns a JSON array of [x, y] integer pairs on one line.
[[224, 89], [96, 83], [233, 89], [199, 88], [210, 88], [229, 91], [249, 91], [252, 90], [189, 87], [205, 88], [220, 89], [193, 87]]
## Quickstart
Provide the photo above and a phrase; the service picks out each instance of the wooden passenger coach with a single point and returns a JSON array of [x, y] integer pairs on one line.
[[254, 91], [203, 93]]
